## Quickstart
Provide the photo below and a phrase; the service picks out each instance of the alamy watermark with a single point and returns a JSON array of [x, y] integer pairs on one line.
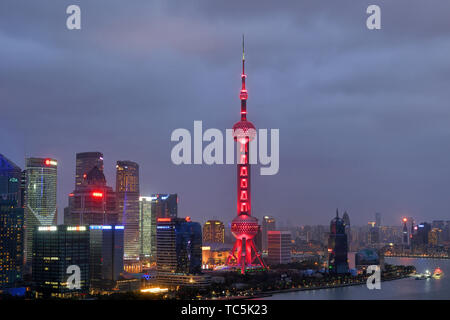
[[213, 152]]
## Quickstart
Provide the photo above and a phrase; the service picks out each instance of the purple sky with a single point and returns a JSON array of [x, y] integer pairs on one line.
[[364, 116]]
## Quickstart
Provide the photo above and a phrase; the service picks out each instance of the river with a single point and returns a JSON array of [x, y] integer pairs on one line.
[[403, 289]]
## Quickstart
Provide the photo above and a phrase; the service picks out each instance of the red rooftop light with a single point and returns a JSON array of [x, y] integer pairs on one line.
[[97, 194]]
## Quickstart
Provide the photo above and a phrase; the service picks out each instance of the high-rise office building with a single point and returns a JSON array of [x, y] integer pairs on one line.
[[213, 232], [373, 233], [10, 181], [268, 224], [11, 224], [162, 206], [85, 162], [146, 222], [179, 252], [127, 190], [420, 238], [279, 247], [405, 234], [165, 205], [106, 254], [40, 198], [93, 202], [337, 246], [378, 219], [59, 252]]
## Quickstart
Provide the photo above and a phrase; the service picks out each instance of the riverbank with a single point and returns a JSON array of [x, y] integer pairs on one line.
[[271, 293], [415, 257]]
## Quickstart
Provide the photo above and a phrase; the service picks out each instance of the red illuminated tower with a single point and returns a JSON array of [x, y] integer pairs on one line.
[[244, 227]]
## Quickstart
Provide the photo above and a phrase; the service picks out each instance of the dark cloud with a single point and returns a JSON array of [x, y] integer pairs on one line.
[[362, 114]]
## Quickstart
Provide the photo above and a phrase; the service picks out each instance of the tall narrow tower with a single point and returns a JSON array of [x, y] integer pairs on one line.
[[244, 227]]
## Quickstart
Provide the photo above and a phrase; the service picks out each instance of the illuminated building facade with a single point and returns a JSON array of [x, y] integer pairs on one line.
[[179, 252], [162, 206], [11, 224], [244, 227], [337, 247], [147, 222], [85, 162], [405, 237], [106, 254], [213, 232], [268, 224], [127, 192], [93, 202], [40, 198], [279, 247], [214, 254], [55, 248]]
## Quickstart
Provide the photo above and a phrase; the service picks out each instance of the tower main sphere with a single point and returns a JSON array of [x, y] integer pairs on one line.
[[244, 130], [244, 227]]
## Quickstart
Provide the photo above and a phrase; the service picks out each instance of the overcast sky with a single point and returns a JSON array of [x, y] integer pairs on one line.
[[364, 116]]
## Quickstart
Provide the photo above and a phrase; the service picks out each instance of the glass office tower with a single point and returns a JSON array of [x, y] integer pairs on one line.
[[40, 197], [11, 224], [146, 222], [127, 191]]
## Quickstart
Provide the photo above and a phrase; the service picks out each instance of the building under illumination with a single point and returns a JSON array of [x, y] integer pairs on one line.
[[162, 206], [11, 224], [146, 223], [93, 202], [279, 247], [106, 255], [127, 192], [40, 198], [179, 253], [213, 232], [268, 224], [55, 249]]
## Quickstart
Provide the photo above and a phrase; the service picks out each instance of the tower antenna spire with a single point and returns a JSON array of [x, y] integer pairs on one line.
[[243, 48]]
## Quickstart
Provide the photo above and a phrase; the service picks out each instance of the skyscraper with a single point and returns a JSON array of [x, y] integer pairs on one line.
[[405, 237], [127, 189], [40, 198], [146, 223], [279, 247], [179, 252], [378, 219], [268, 224], [106, 254], [244, 226], [337, 246], [93, 202], [55, 249], [85, 161], [162, 206], [11, 224], [213, 232]]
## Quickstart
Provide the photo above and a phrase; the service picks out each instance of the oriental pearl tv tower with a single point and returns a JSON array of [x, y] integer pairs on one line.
[[244, 227]]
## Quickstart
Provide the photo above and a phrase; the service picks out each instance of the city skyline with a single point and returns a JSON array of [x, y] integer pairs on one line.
[[362, 135]]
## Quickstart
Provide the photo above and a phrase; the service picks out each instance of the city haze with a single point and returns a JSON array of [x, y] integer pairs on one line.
[[363, 115]]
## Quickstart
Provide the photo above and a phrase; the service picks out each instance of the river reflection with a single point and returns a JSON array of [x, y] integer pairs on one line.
[[403, 289]]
